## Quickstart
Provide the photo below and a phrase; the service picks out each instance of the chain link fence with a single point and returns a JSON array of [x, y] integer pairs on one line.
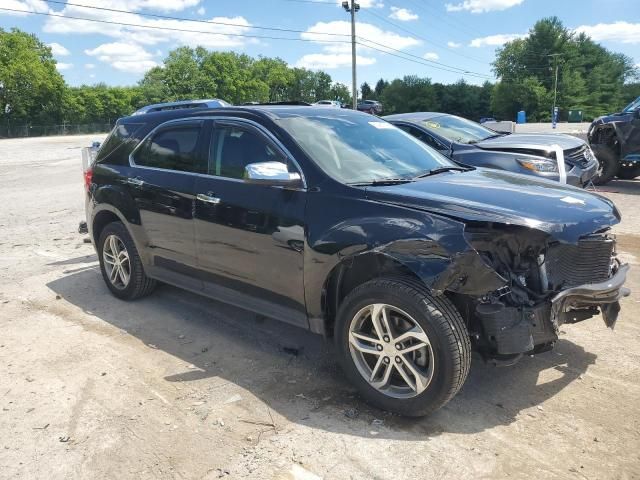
[[19, 131]]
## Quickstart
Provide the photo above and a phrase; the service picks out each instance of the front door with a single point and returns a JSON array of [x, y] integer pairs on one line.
[[250, 238], [162, 182]]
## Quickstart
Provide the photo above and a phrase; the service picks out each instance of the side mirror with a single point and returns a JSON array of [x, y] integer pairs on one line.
[[271, 173]]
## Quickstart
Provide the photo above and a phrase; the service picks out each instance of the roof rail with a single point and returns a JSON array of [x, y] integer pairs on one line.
[[183, 104], [286, 102]]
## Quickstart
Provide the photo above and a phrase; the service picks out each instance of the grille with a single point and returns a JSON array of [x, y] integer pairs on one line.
[[573, 265], [577, 156]]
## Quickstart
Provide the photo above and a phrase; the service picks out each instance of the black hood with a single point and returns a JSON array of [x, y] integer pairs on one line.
[[564, 212]]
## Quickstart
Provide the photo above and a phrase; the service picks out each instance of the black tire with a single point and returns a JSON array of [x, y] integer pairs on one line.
[[438, 318], [139, 285], [629, 173], [609, 164]]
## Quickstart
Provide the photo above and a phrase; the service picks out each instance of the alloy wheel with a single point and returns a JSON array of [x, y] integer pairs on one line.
[[391, 351], [116, 261]]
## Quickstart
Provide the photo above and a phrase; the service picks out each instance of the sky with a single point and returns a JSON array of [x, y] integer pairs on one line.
[[444, 40]]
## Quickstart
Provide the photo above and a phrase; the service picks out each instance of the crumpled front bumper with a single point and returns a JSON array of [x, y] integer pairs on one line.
[[605, 294]]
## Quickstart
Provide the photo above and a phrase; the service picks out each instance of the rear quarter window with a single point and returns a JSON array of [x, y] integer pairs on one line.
[[113, 149]]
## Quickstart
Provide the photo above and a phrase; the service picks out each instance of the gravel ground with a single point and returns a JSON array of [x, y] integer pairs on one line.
[[178, 386]]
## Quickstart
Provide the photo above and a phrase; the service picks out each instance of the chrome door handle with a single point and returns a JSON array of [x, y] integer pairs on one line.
[[208, 198], [136, 182]]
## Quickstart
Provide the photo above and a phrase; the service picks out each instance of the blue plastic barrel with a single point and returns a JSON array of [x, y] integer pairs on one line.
[[522, 117]]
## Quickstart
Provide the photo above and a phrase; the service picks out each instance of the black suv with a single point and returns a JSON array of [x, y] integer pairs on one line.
[[338, 222]]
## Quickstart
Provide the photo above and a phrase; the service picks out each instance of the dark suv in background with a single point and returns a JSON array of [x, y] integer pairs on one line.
[[370, 106], [348, 226]]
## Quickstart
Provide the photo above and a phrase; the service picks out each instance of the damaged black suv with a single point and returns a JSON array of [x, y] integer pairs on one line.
[[339, 222]]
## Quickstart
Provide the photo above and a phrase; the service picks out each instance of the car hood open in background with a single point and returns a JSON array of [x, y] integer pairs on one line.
[[530, 140], [487, 195]]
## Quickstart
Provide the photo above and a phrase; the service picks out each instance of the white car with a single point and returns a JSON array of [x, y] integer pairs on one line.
[[328, 103]]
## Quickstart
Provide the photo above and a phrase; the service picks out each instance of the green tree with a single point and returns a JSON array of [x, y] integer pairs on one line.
[[380, 86], [590, 77], [365, 91], [31, 89]]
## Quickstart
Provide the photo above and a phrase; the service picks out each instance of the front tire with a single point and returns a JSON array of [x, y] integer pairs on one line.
[[609, 164], [404, 350], [121, 265]]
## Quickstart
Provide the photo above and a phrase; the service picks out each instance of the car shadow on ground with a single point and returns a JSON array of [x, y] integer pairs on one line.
[[295, 373], [628, 187]]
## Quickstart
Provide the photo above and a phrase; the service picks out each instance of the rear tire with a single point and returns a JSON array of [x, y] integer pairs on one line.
[[422, 336], [609, 164], [121, 265], [629, 173]]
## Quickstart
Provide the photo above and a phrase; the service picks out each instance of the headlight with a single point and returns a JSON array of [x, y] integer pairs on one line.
[[539, 165], [589, 155]]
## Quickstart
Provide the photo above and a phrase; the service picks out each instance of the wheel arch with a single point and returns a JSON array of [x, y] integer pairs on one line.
[[353, 272]]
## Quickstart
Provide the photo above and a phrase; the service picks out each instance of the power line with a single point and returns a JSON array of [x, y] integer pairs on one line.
[[173, 29], [195, 20], [434, 64]]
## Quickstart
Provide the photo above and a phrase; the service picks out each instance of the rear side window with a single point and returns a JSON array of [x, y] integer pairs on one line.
[[172, 148]]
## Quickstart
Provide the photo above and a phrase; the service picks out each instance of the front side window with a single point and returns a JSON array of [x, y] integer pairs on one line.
[[359, 148], [233, 148], [172, 148]]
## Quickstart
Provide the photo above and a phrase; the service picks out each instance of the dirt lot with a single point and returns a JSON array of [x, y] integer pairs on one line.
[[178, 386]]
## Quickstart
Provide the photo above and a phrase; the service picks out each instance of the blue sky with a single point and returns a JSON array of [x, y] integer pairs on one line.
[[461, 35]]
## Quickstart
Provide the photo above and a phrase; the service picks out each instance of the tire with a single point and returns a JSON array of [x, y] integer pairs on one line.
[[138, 284], [448, 360], [609, 164], [629, 173]]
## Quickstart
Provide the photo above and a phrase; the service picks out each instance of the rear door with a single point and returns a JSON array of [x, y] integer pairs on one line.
[[250, 238], [162, 182]]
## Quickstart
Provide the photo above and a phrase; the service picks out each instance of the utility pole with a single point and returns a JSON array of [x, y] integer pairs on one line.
[[554, 112], [352, 7]]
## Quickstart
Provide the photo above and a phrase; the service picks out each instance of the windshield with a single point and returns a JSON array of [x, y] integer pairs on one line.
[[457, 129], [633, 106], [361, 148]]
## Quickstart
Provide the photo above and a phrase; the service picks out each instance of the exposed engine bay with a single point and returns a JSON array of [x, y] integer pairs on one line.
[[547, 283]]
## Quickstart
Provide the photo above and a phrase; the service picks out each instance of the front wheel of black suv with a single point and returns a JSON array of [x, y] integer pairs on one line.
[[405, 350], [609, 164], [121, 265]]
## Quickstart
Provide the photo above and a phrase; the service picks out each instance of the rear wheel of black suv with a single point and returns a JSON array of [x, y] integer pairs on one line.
[[121, 265], [406, 351]]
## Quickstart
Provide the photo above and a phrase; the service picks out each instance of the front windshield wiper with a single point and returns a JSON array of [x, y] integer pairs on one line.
[[383, 181], [496, 135], [435, 171]]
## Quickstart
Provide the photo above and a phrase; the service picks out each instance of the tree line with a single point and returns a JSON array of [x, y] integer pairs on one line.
[[590, 78]]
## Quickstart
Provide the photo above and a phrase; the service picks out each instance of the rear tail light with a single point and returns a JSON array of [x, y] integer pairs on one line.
[[88, 176]]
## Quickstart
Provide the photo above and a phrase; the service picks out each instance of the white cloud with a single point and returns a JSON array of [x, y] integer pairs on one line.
[[403, 14], [481, 6], [431, 56], [366, 31], [59, 50], [161, 30], [327, 61], [63, 66], [89, 66], [127, 57], [23, 7], [200, 11], [622, 32], [453, 44], [495, 40], [335, 55]]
